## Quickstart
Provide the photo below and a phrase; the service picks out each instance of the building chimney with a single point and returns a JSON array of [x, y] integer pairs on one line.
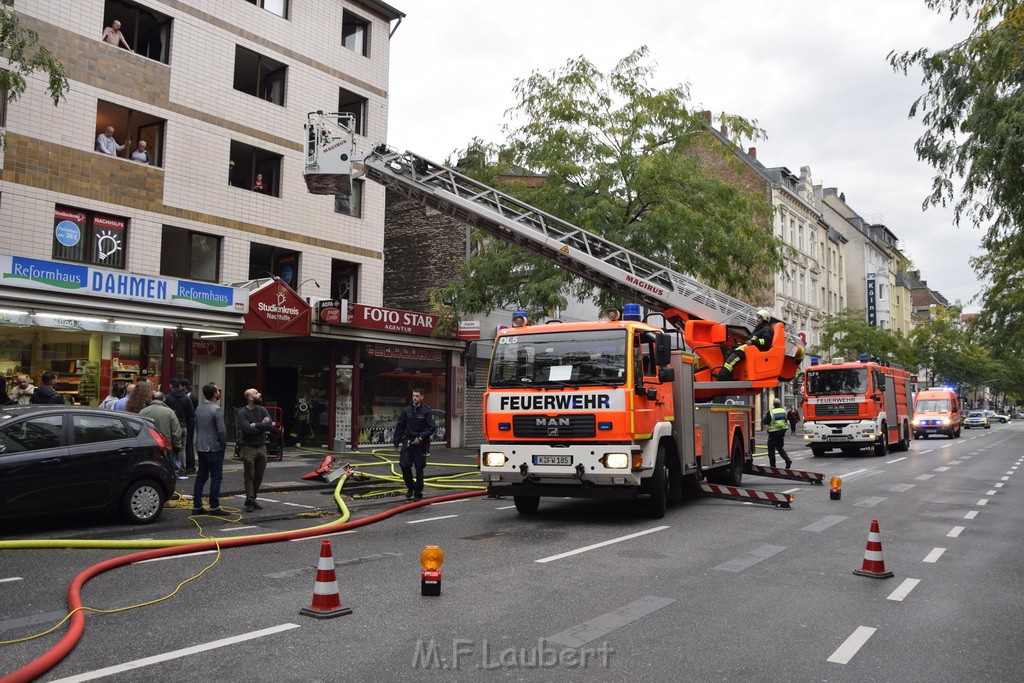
[[707, 116], [842, 197], [752, 152], [725, 130]]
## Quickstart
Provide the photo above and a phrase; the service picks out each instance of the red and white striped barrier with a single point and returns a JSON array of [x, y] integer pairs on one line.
[[781, 500], [326, 600], [783, 473]]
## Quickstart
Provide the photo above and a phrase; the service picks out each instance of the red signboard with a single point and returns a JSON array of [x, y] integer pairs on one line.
[[210, 348], [275, 307], [392, 320]]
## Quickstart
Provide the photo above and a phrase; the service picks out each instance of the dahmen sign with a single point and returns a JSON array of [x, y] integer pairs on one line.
[[275, 307]]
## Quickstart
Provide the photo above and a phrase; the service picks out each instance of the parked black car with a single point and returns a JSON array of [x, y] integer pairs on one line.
[[62, 459]]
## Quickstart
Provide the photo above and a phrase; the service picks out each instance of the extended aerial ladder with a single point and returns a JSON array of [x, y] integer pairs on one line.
[[707, 318]]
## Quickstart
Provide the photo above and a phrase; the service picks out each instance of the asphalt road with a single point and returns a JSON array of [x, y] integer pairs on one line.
[[583, 590]]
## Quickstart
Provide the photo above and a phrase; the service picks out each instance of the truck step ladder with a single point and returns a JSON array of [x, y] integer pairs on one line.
[[782, 473], [779, 500]]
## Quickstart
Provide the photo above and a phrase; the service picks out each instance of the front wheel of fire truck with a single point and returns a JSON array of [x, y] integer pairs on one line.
[[882, 445], [526, 505], [657, 487], [817, 451]]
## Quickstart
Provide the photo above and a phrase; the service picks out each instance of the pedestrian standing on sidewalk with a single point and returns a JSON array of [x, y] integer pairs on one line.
[[776, 421], [412, 438], [211, 442], [253, 422], [181, 403]]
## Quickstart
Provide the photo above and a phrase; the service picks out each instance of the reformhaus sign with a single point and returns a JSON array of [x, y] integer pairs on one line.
[[73, 278]]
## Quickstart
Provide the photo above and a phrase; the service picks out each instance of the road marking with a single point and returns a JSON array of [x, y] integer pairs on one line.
[[983, 501], [900, 488], [13, 578], [999, 485], [239, 528], [934, 555], [924, 477], [854, 643], [176, 557], [904, 589], [336, 533], [505, 507], [869, 502], [971, 515], [460, 500], [430, 519], [581, 634], [176, 654], [850, 474], [940, 469], [896, 460], [32, 620], [824, 523], [1004, 479], [954, 462], [955, 531], [927, 451], [991, 493], [602, 544], [282, 502], [793, 490], [756, 555]]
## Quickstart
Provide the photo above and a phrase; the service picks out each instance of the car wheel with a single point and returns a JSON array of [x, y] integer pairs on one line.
[[817, 451], [657, 486], [142, 502], [988, 426], [526, 505]]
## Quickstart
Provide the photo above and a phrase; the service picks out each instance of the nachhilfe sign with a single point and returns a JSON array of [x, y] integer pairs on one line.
[[275, 307], [584, 400]]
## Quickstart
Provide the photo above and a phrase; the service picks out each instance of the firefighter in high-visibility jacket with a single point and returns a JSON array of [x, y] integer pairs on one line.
[[777, 424]]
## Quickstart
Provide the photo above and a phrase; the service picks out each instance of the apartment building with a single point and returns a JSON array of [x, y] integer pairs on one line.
[[205, 256]]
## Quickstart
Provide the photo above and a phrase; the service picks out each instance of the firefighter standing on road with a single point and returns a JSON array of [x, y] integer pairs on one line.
[[761, 337], [777, 424]]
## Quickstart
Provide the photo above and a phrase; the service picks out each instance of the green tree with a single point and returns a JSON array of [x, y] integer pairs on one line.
[[848, 334], [618, 159], [25, 56], [973, 112]]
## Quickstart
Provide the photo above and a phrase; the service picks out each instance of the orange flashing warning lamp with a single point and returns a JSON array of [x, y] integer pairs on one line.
[[431, 557], [836, 488]]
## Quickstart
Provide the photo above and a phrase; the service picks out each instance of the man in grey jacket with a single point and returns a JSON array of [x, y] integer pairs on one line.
[[211, 442]]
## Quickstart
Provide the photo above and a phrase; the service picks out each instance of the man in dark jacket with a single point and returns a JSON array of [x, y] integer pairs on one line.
[[180, 402], [46, 394], [253, 422], [412, 438]]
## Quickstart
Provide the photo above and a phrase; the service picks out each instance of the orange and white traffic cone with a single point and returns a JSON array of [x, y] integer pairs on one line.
[[326, 600], [874, 565]]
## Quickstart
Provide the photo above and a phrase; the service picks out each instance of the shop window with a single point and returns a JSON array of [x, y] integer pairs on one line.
[[344, 277], [267, 261], [190, 255], [89, 237], [278, 7], [354, 104], [350, 204], [259, 76], [147, 32], [130, 128], [355, 33], [248, 162]]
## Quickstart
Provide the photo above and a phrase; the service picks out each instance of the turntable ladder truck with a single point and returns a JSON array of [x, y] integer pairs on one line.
[[604, 409]]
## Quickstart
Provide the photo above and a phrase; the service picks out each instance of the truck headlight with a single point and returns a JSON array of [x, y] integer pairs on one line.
[[945, 421], [494, 459], [616, 461], [917, 422]]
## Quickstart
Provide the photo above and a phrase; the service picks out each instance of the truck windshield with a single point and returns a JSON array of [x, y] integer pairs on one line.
[[838, 381], [932, 405], [586, 357]]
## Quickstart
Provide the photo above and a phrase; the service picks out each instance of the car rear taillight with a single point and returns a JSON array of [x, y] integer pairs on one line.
[[160, 439]]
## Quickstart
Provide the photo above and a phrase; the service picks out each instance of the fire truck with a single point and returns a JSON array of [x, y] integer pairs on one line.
[[856, 405], [618, 408]]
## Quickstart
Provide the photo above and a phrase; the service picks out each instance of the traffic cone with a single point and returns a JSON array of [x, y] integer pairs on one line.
[[326, 600], [874, 565]]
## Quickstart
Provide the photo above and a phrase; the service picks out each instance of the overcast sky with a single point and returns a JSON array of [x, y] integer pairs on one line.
[[813, 75]]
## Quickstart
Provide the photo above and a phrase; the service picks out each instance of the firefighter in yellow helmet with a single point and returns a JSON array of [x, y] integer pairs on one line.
[[761, 338], [777, 424]]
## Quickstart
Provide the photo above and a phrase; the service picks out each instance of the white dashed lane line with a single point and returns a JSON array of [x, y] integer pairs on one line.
[[904, 589], [934, 555], [849, 648]]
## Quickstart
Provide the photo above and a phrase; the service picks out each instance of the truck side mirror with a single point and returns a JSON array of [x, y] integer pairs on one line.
[[470, 378], [471, 353], [663, 349]]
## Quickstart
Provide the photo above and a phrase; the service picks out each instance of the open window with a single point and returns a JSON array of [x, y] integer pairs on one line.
[[147, 31], [134, 126], [248, 162], [350, 204], [267, 261], [344, 278], [260, 76], [355, 33], [278, 7], [354, 104], [190, 255]]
